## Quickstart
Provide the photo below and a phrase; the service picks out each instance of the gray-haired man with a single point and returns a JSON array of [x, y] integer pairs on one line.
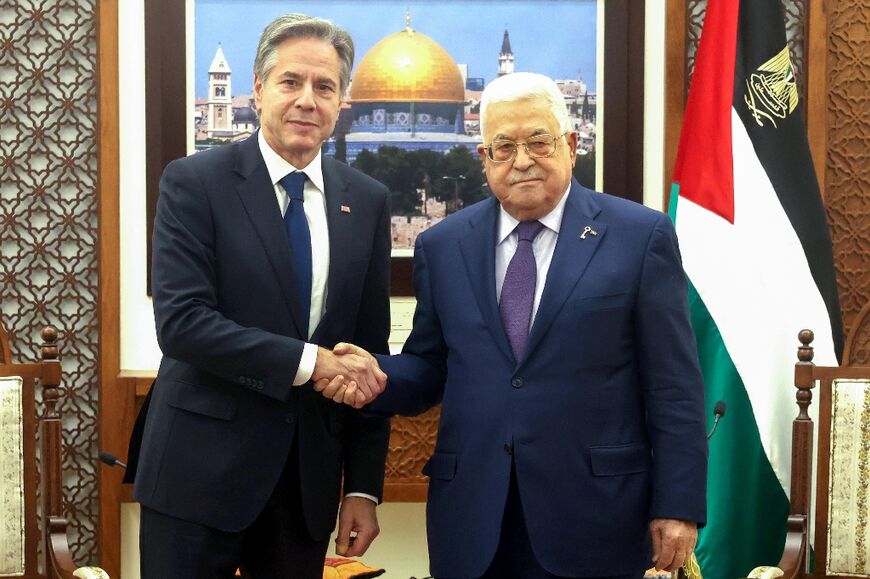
[[266, 254]]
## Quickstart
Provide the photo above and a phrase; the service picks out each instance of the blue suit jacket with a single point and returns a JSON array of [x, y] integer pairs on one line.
[[603, 414], [223, 415]]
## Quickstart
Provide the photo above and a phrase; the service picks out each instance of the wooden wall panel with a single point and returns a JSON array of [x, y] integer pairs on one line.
[[847, 171], [412, 442], [114, 410]]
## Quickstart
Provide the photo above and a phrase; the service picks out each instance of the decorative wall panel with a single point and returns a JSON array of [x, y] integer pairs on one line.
[[796, 18], [860, 354], [847, 187], [695, 11], [48, 217], [412, 442]]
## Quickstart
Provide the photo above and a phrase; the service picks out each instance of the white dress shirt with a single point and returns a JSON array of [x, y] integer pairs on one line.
[[314, 202], [315, 213], [543, 247]]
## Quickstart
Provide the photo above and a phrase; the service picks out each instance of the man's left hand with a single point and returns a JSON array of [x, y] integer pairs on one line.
[[344, 390], [357, 526], [673, 541]]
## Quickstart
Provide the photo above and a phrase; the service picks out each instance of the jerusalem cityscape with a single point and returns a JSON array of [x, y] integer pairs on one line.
[[410, 118]]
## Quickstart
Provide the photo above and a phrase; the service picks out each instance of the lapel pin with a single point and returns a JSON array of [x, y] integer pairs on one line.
[[345, 209], [588, 230]]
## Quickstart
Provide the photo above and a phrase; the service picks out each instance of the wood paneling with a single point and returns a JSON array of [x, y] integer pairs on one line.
[[166, 104], [114, 415], [623, 98], [817, 87], [847, 142], [675, 87]]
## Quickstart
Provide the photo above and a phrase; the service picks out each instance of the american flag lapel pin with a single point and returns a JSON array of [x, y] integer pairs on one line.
[[345, 208]]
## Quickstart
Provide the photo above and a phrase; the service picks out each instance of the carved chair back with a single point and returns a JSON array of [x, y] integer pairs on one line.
[[840, 520], [31, 509]]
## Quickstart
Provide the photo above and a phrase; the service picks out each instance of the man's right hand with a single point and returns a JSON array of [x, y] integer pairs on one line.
[[348, 374]]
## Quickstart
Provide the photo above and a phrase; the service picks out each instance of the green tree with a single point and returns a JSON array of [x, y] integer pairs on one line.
[[404, 172], [461, 161]]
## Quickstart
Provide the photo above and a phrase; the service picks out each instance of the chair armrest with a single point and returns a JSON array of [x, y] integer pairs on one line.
[[794, 552], [90, 573], [60, 561], [765, 572], [791, 563]]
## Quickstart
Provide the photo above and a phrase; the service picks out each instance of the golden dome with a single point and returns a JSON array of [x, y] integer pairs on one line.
[[407, 67]]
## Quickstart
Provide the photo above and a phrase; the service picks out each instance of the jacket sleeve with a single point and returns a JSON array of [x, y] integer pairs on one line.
[[416, 377], [366, 440], [671, 382], [190, 326]]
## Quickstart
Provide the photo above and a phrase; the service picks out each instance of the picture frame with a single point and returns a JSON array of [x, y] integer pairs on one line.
[[621, 108]]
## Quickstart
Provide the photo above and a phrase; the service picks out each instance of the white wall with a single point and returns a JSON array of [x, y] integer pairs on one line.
[[654, 104], [139, 350]]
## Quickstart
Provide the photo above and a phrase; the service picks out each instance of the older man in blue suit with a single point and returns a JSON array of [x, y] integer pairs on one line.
[[552, 325]]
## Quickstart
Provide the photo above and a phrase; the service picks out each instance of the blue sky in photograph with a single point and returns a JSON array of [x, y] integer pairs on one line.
[[553, 37]]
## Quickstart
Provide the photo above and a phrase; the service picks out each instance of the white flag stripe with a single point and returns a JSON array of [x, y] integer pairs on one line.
[[754, 278]]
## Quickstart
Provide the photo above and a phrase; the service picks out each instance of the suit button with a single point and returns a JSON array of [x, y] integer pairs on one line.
[[289, 419], [508, 448], [517, 382]]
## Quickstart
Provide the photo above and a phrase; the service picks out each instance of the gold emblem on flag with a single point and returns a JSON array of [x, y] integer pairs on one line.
[[771, 91]]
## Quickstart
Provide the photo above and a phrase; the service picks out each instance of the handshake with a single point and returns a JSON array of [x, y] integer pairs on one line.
[[348, 374]]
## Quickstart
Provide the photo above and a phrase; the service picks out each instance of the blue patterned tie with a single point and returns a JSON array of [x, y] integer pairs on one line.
[[300, 240], [518, 290]]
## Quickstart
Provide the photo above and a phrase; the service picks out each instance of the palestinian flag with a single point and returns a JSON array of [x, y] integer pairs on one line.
[[757, 251]]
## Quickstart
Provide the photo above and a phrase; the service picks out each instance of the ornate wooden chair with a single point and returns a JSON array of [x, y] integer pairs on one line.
[[841, 518], [24, 524]]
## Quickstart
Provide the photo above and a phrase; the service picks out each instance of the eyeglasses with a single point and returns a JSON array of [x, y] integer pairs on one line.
[[537, 147]]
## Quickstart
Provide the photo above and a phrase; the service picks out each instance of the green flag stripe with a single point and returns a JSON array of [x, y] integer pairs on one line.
[[734, 540]]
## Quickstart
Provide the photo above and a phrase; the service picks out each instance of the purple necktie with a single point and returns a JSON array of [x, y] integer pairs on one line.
[[518, 290]]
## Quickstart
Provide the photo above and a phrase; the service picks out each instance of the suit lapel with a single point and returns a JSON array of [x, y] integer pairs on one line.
[[570, 258], [341, 232], [258, 197], [478, 252]]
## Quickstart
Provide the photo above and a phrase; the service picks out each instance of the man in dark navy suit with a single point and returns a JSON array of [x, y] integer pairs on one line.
[[552, 326], [265, 255]]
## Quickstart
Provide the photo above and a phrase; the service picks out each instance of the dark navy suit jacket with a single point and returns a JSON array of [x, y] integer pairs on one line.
[[603, 416], [223, 415]]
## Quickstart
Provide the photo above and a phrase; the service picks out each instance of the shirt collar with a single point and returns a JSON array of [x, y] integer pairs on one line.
[[279, 168], [552, 220]]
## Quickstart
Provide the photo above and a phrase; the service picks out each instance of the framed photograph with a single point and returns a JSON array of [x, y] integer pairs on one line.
[[411, 113]]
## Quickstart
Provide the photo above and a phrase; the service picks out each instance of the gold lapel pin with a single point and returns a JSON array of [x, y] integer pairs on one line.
[[588, 230], [345, 209]]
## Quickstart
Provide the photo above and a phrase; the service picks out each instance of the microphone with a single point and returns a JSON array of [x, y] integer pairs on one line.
[[112, 460], [718, 412]]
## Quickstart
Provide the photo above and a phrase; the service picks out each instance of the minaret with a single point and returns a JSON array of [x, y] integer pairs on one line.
[[506, 56], [220, 99]]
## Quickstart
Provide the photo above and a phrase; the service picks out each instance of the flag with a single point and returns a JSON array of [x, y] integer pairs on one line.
[[757, 251]]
